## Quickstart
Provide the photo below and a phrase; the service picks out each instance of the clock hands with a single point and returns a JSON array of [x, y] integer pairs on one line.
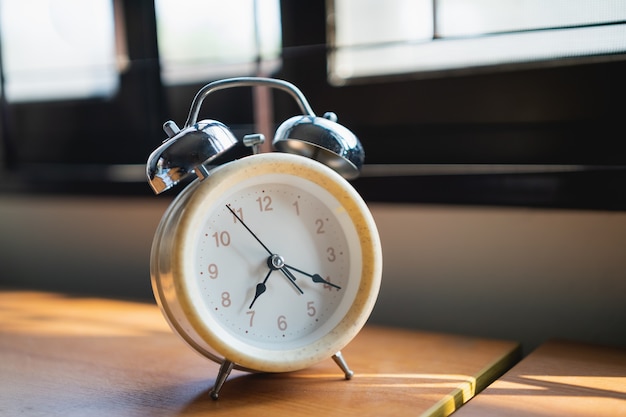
[[260, 288], [317, 278], [275, 262]]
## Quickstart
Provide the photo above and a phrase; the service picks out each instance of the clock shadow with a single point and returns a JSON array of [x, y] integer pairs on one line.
[[251, 393]]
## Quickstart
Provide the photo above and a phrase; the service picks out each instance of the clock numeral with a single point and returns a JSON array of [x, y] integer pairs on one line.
[[221, 239], [239, 212], [331, 254], [282, 323], [310, 308], [213, 271], [251, 314], [320, 226], [295, 204], [226, 301], [265, 203]]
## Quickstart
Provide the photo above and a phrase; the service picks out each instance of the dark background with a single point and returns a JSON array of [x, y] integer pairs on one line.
[[570, 114]]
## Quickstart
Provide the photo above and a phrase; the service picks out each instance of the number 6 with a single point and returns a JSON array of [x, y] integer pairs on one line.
[[282, 323]]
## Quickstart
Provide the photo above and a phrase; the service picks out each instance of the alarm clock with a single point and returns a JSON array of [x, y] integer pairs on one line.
[[271, 262]]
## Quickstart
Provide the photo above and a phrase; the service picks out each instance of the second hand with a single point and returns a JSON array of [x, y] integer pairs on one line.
[[248, 229]]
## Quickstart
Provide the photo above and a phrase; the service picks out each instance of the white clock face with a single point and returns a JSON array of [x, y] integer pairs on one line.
[[272, 262], [277, 269]]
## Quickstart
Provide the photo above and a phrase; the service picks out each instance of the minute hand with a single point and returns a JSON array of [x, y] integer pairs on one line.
[[272, 257], [317, 278]]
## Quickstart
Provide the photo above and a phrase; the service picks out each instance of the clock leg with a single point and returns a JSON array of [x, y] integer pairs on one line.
[[223, 373], [341, 362]]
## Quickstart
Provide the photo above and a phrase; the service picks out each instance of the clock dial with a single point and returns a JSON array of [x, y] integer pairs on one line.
[[277, 267]]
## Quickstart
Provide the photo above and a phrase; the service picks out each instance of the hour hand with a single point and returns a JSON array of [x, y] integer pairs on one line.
[[260, 289], [317, 278]]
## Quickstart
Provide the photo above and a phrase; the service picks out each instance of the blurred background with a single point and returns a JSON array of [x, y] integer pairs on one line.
[[493, 129]]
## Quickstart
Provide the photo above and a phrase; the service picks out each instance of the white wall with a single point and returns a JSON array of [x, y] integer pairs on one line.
[[514, 273], [522, 274]]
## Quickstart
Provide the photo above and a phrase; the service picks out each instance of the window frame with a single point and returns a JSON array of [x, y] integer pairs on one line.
[[443, 55]]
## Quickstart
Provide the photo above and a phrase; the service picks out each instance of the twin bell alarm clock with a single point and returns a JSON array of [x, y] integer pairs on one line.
[[271, 262]]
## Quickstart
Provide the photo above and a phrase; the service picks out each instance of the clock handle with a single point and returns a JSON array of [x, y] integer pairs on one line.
[[246, 82], [319, 138]]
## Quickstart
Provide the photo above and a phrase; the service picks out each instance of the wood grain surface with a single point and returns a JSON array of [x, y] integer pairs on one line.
[[70, 356], [559, 378]]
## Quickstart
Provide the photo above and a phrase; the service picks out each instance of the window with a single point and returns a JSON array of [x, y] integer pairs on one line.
[[50, 54], [544, 137], [203, 39], [393, 37]]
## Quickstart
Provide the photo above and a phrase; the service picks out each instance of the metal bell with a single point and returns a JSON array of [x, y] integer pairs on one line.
[[188, 150], [322, 139], [185, 151]]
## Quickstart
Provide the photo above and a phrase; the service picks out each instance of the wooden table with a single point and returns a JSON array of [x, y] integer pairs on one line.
[[559, 378], [68, 356]]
